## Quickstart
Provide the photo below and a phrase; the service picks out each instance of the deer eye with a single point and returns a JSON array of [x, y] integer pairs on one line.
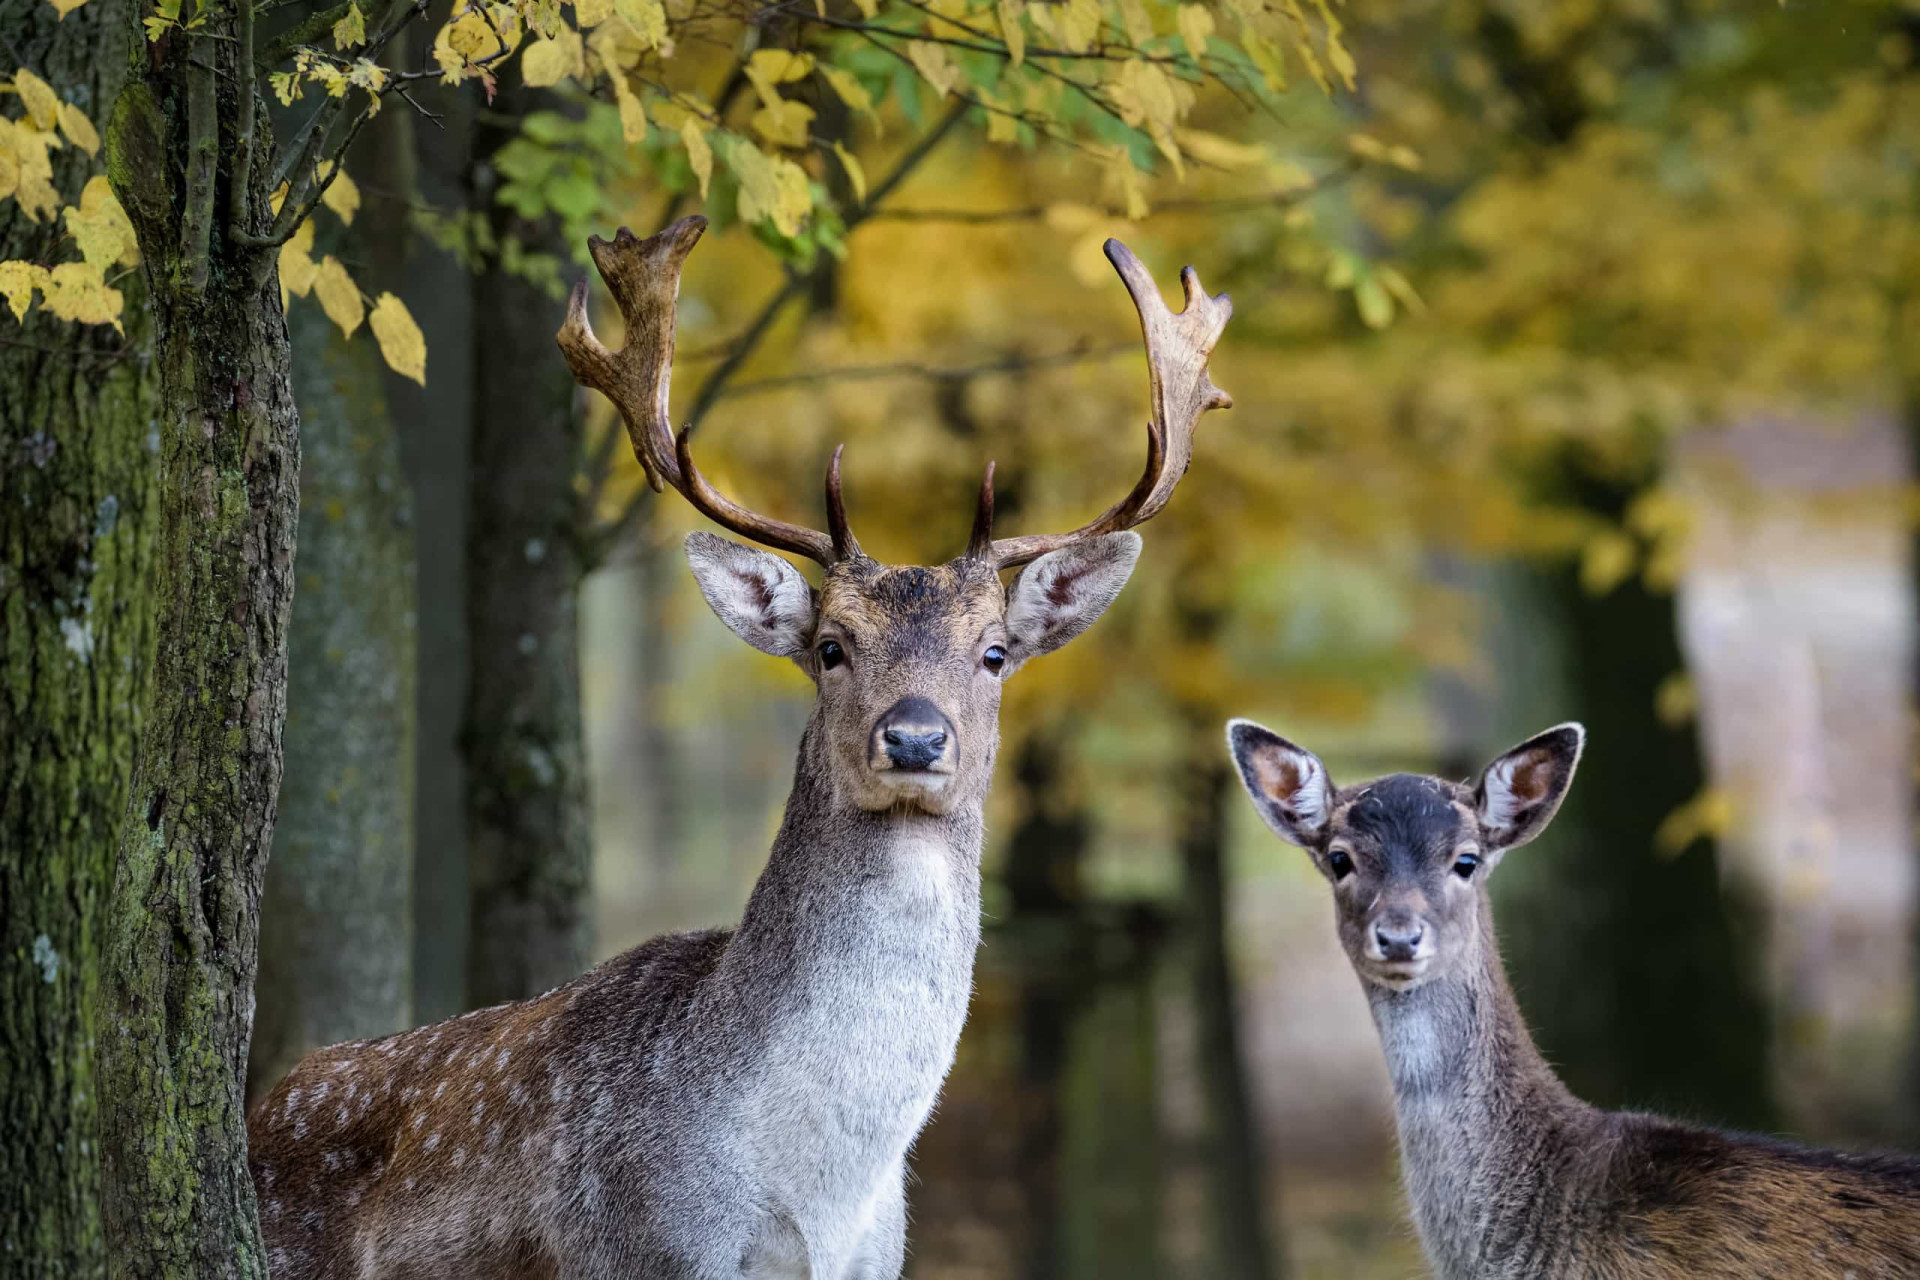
[[1340, 864], [831, 655], [994, 658], [1465, 864]]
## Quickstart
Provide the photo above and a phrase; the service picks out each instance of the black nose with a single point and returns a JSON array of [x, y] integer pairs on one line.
[[913, 733], [1398, 939]]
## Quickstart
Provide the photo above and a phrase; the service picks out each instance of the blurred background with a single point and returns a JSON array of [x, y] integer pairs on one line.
[[1576, 367]]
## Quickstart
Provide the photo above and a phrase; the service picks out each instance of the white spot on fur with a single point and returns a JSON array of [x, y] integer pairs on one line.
[[340, 1118], [459, 1156], [273, 1211], [331, 1160], [440, 1088], [433, 1140]]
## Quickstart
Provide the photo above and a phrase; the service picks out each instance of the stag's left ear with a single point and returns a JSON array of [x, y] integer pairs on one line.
[[1518, 793], [1063, 592]]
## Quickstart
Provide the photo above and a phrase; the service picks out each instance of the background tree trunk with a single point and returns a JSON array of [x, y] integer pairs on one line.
[[183, 933], [529, 925], [336, 952], [77, 520]]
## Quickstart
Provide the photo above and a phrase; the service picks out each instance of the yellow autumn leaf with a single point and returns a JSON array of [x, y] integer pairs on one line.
[[100, 228], [850, 91], [1002, 124], [1011, 31], [9, 167], [547, 62], [401, 344], [297, 267], [934, 66], [1196, 24], [867, 7], [79, 292], [30, 178], [342, 195], [591, 13], [784, 123], [79, 129], [18, 280], [855, 174], [43, 104], [633, 118], [699, 154], [65, 7], [648, 18], [1222, 153], [351, 31], [1606, 561], [772, 189], [339, 296], [777, 66]]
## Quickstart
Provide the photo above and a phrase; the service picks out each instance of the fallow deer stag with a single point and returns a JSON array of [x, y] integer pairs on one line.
[[738, 1102], [1511, 1176]]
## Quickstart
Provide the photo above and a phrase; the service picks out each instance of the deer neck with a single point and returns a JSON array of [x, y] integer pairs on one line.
[[1485, 1126]]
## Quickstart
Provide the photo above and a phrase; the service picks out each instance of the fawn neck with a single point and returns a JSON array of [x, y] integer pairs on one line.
[[1484, 1123]]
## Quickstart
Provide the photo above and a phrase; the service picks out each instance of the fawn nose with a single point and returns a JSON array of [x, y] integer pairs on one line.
[[913, 734], [1398, 937]]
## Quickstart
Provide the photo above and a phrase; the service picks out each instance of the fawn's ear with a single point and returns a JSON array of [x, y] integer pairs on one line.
[[1289, 785], [760, 597], [1518, 793], [1064, 592]]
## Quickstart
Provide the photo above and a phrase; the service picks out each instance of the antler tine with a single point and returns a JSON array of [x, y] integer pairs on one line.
[[1178, 345], [845, 545], [980, 544], [644, 278]]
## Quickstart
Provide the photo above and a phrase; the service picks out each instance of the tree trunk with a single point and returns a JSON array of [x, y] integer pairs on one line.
[[336, 951], [183, 923], [527, 825], [77, 520], [1595, 923], [1234, 1140]]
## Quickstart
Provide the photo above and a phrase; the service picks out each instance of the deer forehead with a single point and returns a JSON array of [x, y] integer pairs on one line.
[[912, 608], [1404, 817]]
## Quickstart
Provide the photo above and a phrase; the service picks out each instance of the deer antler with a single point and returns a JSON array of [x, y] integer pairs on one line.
[[1177, 351], [644, 278]]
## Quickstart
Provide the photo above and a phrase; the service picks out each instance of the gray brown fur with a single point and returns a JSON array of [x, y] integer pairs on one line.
[[1509, 1175], [721, 1104]]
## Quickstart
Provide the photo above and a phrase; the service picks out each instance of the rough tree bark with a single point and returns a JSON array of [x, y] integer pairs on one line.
[[77, 519], [182, 938], [336, 950], [527, 824]]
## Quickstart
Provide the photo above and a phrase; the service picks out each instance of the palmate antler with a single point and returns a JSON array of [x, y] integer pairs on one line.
[[644, 278]]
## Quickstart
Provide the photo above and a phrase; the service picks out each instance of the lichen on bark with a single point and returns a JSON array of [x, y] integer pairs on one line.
[[77, 519]]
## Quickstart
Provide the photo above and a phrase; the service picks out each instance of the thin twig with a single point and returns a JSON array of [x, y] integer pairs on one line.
[[241, 202], [1080, 353]]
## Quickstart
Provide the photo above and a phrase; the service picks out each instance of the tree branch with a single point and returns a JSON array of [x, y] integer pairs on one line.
[[240, 204], [1080, 353], [203, 166], [1216, 204], [304, 32]]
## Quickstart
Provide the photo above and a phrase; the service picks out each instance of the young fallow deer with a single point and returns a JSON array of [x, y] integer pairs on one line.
[[1510, 1176], [738, 1102]]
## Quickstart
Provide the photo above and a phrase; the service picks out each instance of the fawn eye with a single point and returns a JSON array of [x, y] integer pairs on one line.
[[994, 658], [831, 655], [1340, 864], [1465, 865]]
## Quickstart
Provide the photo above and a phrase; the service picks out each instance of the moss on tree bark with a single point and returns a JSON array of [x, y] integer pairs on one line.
[[76, 543], [181, 945]]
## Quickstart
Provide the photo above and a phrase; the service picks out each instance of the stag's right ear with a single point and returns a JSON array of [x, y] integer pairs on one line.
[[760, 597], [1289, 786]]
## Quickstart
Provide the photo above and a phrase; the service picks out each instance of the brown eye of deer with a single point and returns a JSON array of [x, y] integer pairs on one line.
[[831, 655], [994, 658], [1340, 864], [1465, 864]]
